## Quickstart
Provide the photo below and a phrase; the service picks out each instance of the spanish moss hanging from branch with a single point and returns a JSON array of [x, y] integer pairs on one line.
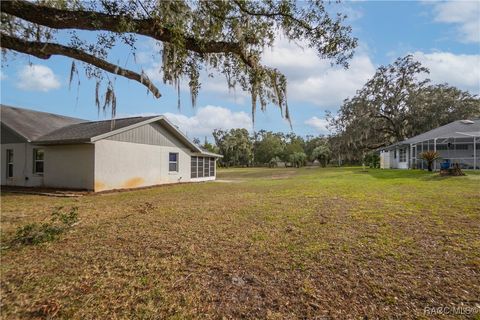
[[224, 37]]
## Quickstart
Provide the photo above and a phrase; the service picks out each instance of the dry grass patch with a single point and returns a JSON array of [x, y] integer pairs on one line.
[[323, 242]]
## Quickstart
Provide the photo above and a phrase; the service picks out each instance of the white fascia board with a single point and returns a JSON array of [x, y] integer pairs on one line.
[[205, 153], [181, 134]]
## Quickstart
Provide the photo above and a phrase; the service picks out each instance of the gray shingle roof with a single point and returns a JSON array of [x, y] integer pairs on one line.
[[81, 132], [455, 129], [33, 124], [452, 130], [47, 128]]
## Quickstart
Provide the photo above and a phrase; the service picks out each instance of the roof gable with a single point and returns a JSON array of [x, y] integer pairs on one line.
[[152, 134], [84, 132]]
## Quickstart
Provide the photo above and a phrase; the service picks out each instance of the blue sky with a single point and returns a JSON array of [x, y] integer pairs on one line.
[[444, 36]]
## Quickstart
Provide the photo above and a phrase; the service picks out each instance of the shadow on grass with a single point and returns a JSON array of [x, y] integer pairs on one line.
[[8, 194], [398, 174], [421, 175]]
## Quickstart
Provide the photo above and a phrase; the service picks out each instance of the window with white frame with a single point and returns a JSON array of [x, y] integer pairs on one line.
[[38, 158], [9, 162], [173, 162], [402, 155]]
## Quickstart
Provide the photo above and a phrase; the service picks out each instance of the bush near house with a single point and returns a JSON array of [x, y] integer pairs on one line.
[[372, 160]]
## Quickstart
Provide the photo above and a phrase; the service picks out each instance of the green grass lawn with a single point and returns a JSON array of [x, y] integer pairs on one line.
[[259, 243]]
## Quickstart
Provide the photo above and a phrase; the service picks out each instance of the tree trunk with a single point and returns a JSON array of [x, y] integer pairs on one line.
[[430, 166]]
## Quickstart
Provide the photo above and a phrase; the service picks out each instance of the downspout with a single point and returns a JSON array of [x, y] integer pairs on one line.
[[435, 150]]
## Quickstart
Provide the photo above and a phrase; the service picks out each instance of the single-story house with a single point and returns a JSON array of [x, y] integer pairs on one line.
[[457, 143], [41, 149]]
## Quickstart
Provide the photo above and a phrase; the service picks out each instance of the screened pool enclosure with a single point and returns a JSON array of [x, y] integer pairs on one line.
[[461, 150], [456, 143]]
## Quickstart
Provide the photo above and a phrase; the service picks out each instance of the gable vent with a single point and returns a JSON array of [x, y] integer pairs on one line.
[[467, 121]]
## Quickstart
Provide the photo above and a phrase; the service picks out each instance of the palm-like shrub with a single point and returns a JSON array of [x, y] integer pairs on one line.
[[430, 157]]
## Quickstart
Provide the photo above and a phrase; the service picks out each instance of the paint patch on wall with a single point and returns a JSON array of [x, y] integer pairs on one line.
[[133, 183]]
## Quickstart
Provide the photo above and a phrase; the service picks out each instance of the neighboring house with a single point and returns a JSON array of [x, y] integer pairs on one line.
[[41, 149], [457, 142]]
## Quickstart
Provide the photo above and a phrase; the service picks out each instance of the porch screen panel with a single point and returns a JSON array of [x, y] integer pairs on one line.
[[200, 167], [193, 167], [403, 155], [212, 167], [206, 168]]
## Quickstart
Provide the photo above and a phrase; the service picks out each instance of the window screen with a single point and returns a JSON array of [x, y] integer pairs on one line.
[[173, 162], [38, 156], [461, 146], [193, 167], [442, 147], [206, 167], [402, 155], [212, 167], [200, 167]]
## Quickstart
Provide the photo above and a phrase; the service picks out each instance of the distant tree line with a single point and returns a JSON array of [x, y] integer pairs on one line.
[[399, 102], [267, 148]]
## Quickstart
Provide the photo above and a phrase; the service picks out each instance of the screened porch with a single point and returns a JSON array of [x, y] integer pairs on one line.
[[462, 149]]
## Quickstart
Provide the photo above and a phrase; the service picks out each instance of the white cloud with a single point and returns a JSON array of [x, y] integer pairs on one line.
[[315, 80], [148, 51], [218, 85], [464, 14], [320, 125], [353, 14], [154, 72], [149, 56], [460, 70], [37, 77], [209, 118], [310, 79]]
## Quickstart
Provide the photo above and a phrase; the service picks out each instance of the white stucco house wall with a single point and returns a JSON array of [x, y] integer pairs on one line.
[[457, 143], [41, 149]]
